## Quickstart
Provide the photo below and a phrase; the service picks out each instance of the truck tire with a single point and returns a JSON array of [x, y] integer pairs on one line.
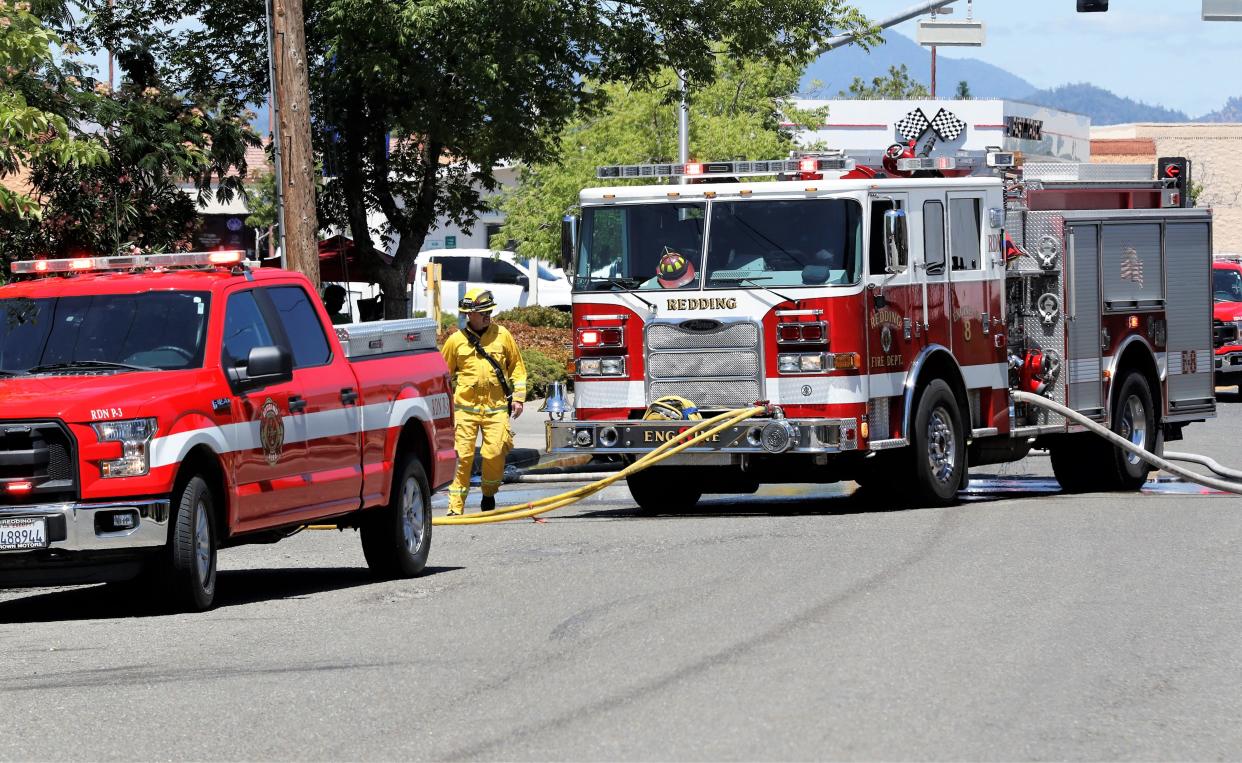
[[657, 490], [192, 546], [1086, 462], [938, 446], [396, 539], [1134, 418]]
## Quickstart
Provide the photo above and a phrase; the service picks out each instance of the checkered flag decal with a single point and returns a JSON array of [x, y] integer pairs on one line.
[[947, 125], [913, 125]]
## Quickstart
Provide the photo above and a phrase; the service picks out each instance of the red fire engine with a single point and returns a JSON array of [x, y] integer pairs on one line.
[[884, 307]]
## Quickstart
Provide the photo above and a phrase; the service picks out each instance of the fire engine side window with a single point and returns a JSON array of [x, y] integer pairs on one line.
[[244, 328], [964, 233], [302, 326], [933, 236]]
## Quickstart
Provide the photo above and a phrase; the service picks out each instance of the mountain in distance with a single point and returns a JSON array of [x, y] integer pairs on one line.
[[1230, 112], [1103, 107], [836, 69]]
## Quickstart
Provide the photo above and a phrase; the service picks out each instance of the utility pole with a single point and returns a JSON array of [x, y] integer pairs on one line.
[[683, 123], [291, 134]]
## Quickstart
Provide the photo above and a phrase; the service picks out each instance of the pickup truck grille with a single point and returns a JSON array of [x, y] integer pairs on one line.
[[714, 364], [40, 453]]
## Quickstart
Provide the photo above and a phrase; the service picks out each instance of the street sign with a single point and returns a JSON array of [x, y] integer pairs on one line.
[[450, 242], [968, 33]]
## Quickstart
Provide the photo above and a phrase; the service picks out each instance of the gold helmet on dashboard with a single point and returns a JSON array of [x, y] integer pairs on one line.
[[477, 300]]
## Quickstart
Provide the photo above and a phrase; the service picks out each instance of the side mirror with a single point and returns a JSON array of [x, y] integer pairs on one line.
[[896, 248], [524, 282], [264, 367], [569, 244]]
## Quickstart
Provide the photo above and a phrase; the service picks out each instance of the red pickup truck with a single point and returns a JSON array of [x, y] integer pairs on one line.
[[1227, 312], [157, 408]]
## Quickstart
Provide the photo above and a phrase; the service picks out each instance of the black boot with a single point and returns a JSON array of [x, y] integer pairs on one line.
[[488, 503]]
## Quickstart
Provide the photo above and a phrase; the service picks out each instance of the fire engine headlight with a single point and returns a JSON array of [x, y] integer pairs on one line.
[[800, 362], [612, 366], [135, 438]]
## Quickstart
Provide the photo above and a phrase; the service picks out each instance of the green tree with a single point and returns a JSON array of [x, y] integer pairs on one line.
[[737, 116], [39, 104], [415, 102], [145, 140], [898, 85], [963, 91]]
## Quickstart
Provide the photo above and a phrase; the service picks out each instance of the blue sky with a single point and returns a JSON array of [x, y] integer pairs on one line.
[[1157, 51]]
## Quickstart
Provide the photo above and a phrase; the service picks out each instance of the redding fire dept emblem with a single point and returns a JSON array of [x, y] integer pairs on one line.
[[886, 338], [271, 431]]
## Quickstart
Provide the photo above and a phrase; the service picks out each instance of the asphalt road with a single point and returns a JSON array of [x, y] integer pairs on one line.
[[798, 623]]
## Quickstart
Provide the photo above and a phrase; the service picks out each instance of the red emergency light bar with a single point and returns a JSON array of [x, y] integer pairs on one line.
[[727, 169], [131, 262]]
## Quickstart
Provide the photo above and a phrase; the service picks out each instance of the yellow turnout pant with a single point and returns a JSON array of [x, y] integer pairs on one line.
[[497, 443]]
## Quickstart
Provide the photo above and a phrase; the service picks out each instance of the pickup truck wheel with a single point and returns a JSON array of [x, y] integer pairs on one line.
[[192, 548], [397, 539], [938, 445], [659, 490]]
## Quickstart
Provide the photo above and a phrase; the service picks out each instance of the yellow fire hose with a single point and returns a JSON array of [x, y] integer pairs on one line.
[[701, 431]]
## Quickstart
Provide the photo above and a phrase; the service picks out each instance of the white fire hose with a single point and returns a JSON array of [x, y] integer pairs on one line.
[[1225, 485]]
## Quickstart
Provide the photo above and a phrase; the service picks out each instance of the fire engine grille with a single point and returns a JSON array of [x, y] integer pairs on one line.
[[714, 364], [703, 364], [36, 463]]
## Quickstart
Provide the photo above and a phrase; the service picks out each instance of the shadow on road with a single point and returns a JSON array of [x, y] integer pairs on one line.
[[837, 499], [233, 588]]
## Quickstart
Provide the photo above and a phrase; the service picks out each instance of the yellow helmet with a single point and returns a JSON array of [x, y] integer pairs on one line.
[[477, 300]]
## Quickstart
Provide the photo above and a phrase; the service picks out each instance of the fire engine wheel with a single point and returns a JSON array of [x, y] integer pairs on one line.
[[192, 547], [939, 446], [1084, 462], [1134, 418], [658, 490], [397, 538]]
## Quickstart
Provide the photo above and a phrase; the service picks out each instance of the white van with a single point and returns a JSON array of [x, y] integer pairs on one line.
[[508, 277]]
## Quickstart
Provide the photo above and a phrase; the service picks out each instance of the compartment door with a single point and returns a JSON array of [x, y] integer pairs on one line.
[[1085, 379], [1187, 247]]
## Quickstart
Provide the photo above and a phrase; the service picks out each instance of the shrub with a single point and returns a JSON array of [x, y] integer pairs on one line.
[[541, 371], [537, 316]]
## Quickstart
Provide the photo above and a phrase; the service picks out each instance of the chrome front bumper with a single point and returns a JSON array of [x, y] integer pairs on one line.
[[751, 436], [88, 527]]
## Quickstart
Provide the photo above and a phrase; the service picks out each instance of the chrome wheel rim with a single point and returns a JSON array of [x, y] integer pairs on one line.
[[202, 543], [941, 446], [1134, 426], [413, 513]]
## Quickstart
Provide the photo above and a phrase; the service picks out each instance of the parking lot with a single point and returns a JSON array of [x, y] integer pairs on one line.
[[801, 622]]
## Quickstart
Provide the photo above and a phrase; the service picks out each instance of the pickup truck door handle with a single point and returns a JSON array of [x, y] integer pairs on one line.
[[349, 396], [297, 404]]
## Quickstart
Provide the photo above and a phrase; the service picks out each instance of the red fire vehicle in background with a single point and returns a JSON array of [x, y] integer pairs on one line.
[[160, 407], [884, 307], [1227, 295]]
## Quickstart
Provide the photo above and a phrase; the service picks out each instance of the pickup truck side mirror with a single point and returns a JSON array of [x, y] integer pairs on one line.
[[264, 367], [524, 282]]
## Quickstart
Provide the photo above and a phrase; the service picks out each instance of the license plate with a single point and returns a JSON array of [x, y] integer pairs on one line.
[[18, 534]]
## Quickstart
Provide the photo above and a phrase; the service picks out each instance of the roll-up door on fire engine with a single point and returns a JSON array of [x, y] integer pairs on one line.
[[1188, 252], [1085, 379]]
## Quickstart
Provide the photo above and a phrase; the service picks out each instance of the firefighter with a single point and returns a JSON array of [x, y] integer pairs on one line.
[[490, 386]]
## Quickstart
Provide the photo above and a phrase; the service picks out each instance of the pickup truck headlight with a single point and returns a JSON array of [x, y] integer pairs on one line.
[[135, 437]]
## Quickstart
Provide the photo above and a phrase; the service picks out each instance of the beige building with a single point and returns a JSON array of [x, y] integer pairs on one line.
[[1215, 152]]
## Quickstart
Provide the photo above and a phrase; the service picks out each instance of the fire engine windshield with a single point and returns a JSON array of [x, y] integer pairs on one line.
[[641, 246], [811, 242], [150, 331]]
